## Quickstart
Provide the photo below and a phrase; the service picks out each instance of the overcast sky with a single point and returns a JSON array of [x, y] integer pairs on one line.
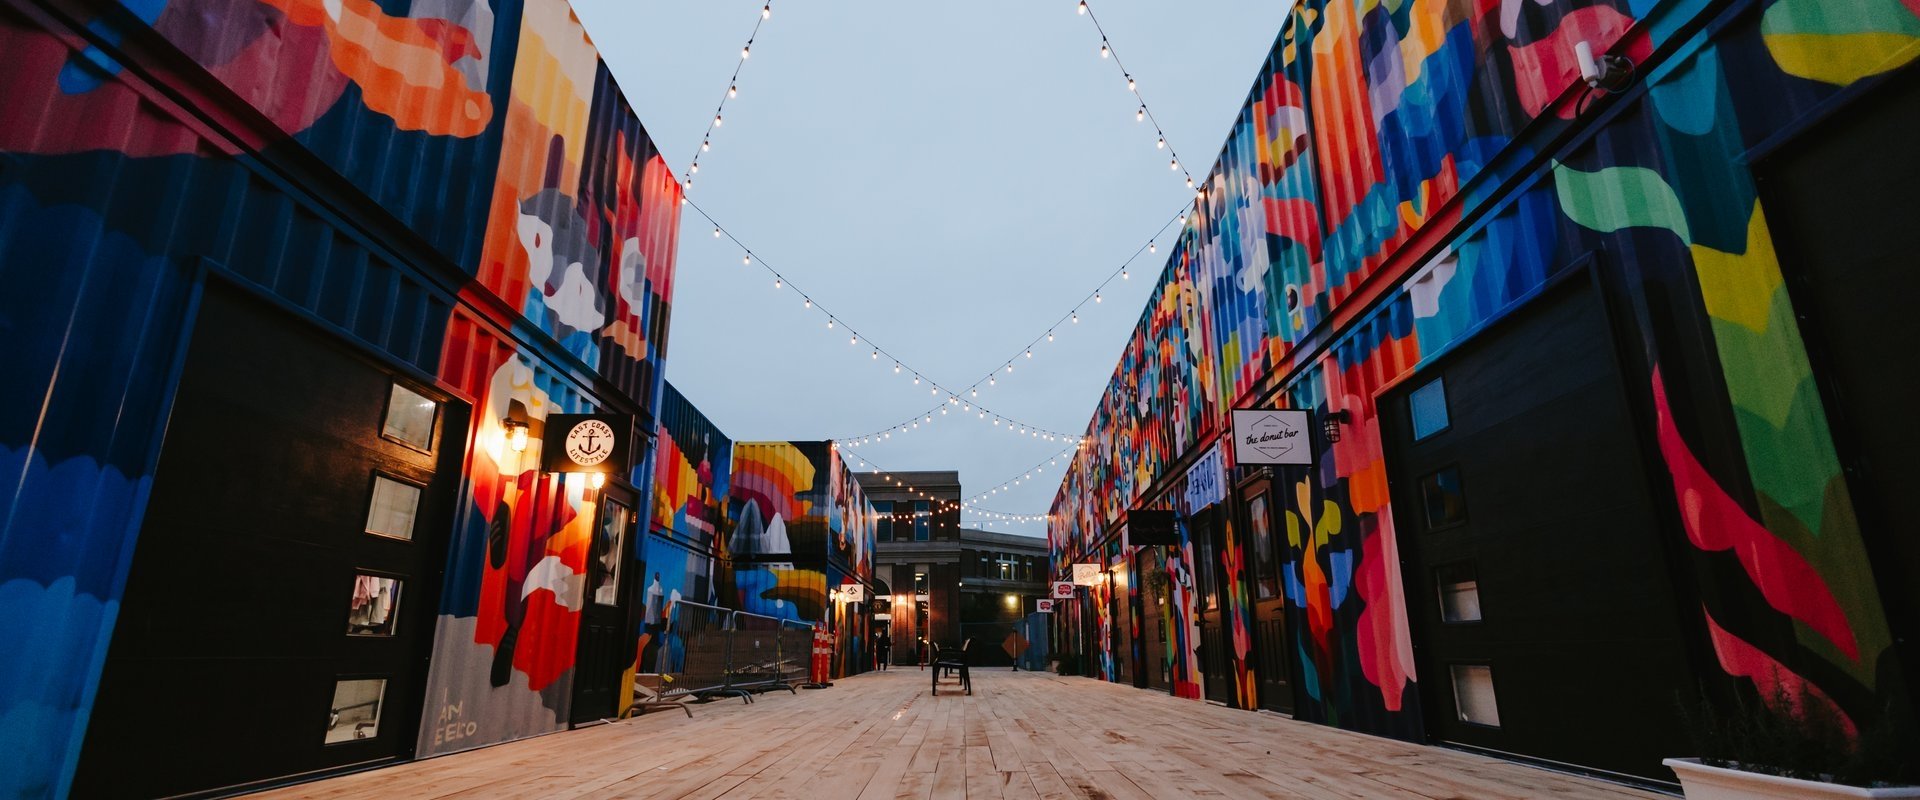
[[949, 178]]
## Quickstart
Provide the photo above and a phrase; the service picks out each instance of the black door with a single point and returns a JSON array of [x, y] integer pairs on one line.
[[1152, 620], [1122, 607], [1850, 249], [1216, 665], [607, 633], [279, 611], [1270, 642], [1544, 615]]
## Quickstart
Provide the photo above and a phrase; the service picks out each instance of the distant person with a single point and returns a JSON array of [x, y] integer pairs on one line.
[[883, 648]]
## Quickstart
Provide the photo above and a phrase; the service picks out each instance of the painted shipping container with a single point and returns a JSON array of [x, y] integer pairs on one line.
[[453, 189], [1410, 183]]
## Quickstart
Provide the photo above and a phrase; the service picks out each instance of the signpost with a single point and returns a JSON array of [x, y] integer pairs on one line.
[[587, 443], [1043, 606], [1271, 437], [1063, 590]]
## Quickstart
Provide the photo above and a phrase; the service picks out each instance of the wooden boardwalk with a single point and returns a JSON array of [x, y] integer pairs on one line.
[[1021, 735]]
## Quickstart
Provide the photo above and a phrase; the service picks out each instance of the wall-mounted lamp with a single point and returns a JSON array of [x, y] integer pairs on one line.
[[516, 434], [598, 480], [1330, 424]]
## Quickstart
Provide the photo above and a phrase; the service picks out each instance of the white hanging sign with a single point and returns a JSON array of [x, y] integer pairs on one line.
[[1063, 590], [1086, 574], [1043, 606], [1206, 481], [1274, 436]]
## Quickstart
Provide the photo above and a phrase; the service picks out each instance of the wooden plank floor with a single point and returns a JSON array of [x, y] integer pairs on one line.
[[1021, 736]]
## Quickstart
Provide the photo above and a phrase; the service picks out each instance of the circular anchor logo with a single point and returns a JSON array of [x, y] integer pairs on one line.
[[590, 442]]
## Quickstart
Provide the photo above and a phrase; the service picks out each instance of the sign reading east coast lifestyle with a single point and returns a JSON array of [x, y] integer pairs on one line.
[[587, 443], [1271, 436]]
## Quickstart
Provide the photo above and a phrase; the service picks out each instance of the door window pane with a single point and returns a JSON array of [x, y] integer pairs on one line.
[[374, 608], [1473, 694], [1203, 569], [393, 509], [356, 710], [1459, 593], [410, 418], [1266, 576], [1429, 408], [922, 520], [609, 542], [1441, 496]]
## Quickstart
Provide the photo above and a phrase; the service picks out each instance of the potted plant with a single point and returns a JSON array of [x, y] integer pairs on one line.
[[1790, 749]]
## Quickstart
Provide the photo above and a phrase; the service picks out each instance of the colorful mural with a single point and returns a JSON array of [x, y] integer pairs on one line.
[[331, 163], [799, 519], [683, 558], [1404, 173]]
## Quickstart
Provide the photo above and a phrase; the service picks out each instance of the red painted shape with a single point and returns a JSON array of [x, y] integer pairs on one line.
[[1774, 681], [1714, 522]]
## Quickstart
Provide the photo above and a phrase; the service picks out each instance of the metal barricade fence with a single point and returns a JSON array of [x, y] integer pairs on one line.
[[1034, 627], [690, 660], [795, 645], [755, 661]]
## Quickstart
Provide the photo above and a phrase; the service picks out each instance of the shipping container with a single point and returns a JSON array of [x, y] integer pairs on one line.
[[1599, 427], [294, 287]]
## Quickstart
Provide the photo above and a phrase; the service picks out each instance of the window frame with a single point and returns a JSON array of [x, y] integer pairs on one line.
[[433, 429], [373, 486]]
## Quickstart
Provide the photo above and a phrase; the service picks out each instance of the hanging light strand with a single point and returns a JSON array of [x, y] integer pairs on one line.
[[733, 90], [867, 466], [1144, 113]]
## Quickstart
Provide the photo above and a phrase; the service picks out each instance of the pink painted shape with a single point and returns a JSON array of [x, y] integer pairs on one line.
[[1772, 678]]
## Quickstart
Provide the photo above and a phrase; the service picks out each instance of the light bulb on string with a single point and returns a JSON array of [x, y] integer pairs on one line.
[[776, 283], [733, 90], [1153, 248], [747, 51], [1104, 52], [716, 233], [1161, 145], [1076, 317], [1141, 115], [766, 11], [1174, 163], [1123, 275], [1096, 297], [829, 323], [809, 302], [705, 145], [747, 260], [717, 121], [1029, 352], [1049, 336], [695, 169], [1129, 83], [896, 368], [1083, 6]]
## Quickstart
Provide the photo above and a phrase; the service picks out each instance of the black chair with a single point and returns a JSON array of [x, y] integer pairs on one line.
[[949, 662]]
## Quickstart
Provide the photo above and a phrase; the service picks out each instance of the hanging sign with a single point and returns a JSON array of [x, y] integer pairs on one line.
[[1086, 574], [1063, 590], [1147, 528], [1043, 606], [1206, 482], [587, 443], [1271, 437]]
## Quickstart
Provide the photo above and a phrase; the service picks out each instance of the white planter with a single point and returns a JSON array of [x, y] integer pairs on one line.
[[1702, 782]]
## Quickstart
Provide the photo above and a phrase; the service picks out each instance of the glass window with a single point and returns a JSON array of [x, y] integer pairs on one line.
[[1440, 493], [356, 710], [374, 608], [919, 583], [609, 542], [883, 527], [1473, 696], [1266, 574], [1004, 562], [410, 418], [1203, 569], [983, 570], [394, 507], [1429, 407], [1459, 592], [922, 522]]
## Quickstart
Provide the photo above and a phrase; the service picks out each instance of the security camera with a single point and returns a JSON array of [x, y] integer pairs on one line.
[[1609, 73]]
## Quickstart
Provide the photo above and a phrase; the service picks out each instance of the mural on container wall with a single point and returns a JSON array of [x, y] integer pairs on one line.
[[1405, 107], [405, 101], [799, 517], [580, 240], [682, 557]]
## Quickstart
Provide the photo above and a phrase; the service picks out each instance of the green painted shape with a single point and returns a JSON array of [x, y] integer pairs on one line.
[[1839, 18], [1620, 197]]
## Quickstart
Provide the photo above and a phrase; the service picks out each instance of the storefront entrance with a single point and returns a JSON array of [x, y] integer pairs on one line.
[[1216, 657], [1270, 641], [279, 609], [1150, 565], [607, 633], [1544, 611]]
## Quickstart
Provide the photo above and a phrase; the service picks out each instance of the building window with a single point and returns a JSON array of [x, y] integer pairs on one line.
[[374, 607], [1459, 592], [1445, 504], [1266, 571], [1473, 697], [922, 522], [1005, 562], [410, 418], [919, 583], [393, 508], [356, 710], [983, 570], [1429, 409], [883, 529], [609, 546]]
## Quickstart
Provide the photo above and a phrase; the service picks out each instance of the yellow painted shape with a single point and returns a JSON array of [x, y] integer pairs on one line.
[[1740, 287], [1841, 59]]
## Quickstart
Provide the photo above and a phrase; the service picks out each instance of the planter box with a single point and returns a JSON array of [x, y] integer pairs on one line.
[[1702, 782]]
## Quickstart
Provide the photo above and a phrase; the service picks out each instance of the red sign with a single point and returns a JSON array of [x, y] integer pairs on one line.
[[1063, 590]]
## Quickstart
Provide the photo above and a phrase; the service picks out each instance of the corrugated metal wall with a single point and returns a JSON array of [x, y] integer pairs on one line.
[[1404, 174], [274, 144]]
